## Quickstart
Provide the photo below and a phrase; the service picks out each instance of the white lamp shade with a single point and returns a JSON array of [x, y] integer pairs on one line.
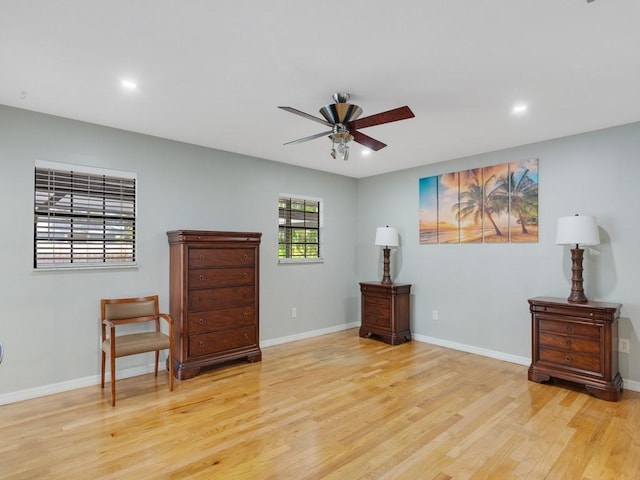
[[577, 230], [387, 237]]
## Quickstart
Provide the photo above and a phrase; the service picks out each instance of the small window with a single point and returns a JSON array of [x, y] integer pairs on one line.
[[299, 229], [83, 217]]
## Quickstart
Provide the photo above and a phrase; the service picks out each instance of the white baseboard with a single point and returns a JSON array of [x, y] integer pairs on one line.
[[132, 372], [70, 385], [310, 334], [507, 357]]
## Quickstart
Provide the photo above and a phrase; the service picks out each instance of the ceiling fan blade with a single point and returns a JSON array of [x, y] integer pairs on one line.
[[401, 113], [311, 137], [367, 141], [306, 115]]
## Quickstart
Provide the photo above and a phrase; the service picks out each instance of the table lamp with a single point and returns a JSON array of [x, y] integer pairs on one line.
[[577, 230], [386, 237]]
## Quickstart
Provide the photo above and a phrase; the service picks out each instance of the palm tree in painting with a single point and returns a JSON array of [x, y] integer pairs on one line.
[[522, 196], [473, 203]]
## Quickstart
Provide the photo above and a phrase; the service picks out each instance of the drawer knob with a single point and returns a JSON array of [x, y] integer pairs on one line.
[[568, 358], [201, 277], [569, 328], [245, 256], [200, 299], [246, 335], [569, 342], [245, 275], [201, 343], [201, 321], [201, 257], [591, 314], [245, 315]]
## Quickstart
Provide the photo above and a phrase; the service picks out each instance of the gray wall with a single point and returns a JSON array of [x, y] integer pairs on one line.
[[481, 290], [49, 320]]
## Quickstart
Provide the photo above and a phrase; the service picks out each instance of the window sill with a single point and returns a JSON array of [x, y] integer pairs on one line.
[[85, 268], [293, 261]]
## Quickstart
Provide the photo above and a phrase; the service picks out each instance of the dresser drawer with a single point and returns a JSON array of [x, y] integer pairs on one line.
[[221, 277], [219, 257], [569, 328], [570, 343], [579, 361], [209, 299], [211, 343], [221, 319]]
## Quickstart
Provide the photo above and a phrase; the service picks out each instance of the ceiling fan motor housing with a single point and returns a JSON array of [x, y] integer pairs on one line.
[[340, 112]]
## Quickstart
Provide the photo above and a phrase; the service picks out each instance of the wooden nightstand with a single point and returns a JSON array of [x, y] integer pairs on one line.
[[577, 342], [385, 311]]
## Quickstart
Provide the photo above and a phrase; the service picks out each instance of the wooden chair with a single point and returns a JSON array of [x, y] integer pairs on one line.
[[115, 312]]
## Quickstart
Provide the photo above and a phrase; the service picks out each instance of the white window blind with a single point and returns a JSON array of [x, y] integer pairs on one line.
[[83, 217]]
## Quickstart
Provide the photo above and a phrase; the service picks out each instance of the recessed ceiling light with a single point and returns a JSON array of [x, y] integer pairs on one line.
[[366, 152], [519, 109], [129, 84]]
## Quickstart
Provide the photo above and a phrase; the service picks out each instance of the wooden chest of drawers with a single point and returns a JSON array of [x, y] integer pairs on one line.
[[385, 311], [214, 298], [577, 342]]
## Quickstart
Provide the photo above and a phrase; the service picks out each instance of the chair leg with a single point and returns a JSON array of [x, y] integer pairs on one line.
[[170, 361], [102, 374], [113, 380], [157, 360]]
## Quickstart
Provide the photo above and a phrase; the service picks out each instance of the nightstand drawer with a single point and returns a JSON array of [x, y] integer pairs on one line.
[[377, 306], [575, 311], [573, 360], [379, 321], [569, 328], [569, 343]]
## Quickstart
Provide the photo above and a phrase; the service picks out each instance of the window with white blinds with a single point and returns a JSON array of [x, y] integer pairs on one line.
[[83, 217], [299, 228]]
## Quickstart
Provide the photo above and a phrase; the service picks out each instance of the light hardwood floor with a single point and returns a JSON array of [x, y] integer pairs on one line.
[[332, 407]]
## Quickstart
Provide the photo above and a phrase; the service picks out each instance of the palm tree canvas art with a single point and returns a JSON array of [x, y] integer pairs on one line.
[[493, 204]]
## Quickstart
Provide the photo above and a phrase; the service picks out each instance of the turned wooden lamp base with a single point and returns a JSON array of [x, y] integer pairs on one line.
[[386, 277], [577, 292]]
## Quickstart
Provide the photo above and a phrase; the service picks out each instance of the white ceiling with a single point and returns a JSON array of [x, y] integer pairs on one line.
[[212, 72]]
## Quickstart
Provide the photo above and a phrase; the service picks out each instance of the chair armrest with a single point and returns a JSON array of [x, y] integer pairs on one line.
[[167, 317], [109, 323]]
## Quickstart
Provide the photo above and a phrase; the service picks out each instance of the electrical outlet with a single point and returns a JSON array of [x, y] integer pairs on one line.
[[434, 315], [294, 312], [623, 345]]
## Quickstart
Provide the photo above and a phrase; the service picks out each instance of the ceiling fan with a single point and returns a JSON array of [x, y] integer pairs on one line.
[[342, 118]]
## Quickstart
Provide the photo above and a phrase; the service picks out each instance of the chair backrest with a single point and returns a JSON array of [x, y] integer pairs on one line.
[[138, 309]]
